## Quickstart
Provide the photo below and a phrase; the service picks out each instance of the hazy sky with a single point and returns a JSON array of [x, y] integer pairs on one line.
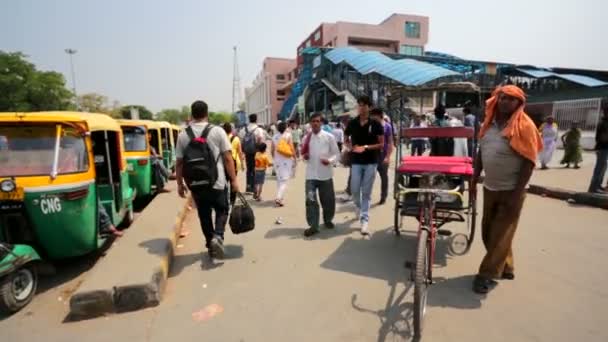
[[165, 54]]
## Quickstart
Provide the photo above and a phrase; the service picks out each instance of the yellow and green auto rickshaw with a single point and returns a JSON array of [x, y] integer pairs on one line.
[[137, 152], [58, 168], [168, 145]]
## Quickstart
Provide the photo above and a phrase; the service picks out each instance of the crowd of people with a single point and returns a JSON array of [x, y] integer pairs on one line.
[[510, 144]]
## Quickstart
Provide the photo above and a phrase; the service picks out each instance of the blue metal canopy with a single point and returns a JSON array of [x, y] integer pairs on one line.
[[579, 79], [409, 72]]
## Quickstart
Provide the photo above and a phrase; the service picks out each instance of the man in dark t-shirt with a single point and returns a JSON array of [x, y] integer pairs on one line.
[[366, 138]]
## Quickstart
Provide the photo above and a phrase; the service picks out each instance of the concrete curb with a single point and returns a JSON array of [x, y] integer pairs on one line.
[[584, 198], [130, 297]]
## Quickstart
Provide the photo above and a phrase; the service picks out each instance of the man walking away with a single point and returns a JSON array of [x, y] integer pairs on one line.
[[366, 139], [385, 154], [296, 135], [251, 136], [204, 162], [470, 120], [418, 144], [322, 152], [338, 133], [601, 148], [509, 146]]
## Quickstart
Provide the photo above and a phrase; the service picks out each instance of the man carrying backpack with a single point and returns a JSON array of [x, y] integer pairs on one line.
[[205, 167], [251, 137]]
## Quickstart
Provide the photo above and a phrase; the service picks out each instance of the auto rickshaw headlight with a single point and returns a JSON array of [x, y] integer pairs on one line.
[[7, 185]]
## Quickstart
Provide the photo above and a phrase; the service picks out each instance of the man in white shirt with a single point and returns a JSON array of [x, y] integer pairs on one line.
[[321, 153], [338, 133], [251, 136]]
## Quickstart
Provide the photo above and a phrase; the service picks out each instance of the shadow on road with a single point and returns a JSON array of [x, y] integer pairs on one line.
[[298, 233], [454, 293], [396, 317], [383, 257], [181, 262]]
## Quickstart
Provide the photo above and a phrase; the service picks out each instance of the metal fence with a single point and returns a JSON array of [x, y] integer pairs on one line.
[[585, 112]]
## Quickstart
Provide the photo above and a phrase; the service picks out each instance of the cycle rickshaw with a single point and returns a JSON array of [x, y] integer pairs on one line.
[[433, 190]]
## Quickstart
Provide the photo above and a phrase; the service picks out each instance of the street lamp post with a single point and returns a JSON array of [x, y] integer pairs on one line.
[[72, 52]]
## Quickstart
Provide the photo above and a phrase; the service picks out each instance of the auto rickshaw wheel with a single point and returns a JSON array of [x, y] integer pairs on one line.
[[17, 289]]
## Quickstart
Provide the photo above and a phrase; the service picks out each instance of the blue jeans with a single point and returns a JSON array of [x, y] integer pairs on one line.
[[361, 184], [599, 171]]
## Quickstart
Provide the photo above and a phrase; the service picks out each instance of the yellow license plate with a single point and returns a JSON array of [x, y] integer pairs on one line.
[[16, 195]]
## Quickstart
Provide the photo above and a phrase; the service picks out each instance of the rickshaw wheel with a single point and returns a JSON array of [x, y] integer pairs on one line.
[[17, 289]]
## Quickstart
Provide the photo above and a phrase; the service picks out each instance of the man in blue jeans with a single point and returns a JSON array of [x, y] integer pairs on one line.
[[366, 137], [601, 147]]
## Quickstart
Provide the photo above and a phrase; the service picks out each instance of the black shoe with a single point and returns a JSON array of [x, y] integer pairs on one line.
[[216, 248], [482, 285], [329, 225], [508, 275], [311, 231]]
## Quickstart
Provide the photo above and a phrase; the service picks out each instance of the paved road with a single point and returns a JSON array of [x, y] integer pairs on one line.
[[278, 286]]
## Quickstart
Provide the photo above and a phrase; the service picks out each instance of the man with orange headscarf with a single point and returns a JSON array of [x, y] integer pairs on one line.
[[509, 147]]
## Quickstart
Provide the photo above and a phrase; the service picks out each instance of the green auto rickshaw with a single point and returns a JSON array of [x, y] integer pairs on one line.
[[168, 143], [58, 168], [137, 152]]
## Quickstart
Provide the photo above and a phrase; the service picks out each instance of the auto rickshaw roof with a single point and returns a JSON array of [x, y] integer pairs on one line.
[[164, 124], [95, 122], [151, 124]]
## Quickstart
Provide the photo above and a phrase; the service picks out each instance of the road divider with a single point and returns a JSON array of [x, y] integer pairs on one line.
[[133, 274]]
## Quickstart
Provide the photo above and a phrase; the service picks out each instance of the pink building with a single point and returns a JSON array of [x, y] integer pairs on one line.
[[400, 33], [270, 89]]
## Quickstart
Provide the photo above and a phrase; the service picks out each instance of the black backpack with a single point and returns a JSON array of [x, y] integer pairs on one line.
[[200, 166], [250, 141]]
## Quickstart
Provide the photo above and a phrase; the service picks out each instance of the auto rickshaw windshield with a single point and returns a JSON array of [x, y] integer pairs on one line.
[[135, 138], [41, 149]]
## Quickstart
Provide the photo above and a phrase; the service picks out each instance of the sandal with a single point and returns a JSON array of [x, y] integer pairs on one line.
[[483, 286], [508, 275], [311, 231]]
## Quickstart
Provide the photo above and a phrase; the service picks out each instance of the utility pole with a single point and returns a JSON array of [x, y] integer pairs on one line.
[[71, 53], [236, 83]]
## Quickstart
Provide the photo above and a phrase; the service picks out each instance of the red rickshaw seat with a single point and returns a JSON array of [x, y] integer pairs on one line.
[[454, 166]]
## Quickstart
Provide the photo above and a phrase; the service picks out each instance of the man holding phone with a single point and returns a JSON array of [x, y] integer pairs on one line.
[[320, 152]]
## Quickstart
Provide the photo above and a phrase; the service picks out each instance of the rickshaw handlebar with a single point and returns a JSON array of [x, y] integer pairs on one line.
[[456, 191]]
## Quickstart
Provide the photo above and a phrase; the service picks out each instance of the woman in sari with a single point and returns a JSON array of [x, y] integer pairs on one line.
[[548, 131], [572, 147]]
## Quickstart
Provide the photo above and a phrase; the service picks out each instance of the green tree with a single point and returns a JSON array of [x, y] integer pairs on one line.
[[144, 113], [24, 88], [219, 118], [175, 116], [94, 103]]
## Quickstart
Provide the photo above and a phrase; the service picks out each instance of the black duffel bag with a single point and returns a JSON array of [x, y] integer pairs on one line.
[[242, 219]]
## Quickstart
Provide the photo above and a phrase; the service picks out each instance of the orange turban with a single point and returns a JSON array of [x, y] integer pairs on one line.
[[521, 131]]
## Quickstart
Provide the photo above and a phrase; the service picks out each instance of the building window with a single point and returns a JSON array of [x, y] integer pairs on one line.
[[280, 92], [318, 35], [412, 29], [411, 50], [300, 50], [280, 77], [308, 43]]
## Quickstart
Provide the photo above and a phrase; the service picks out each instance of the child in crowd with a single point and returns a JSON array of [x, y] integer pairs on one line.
[[572, 146], [262, 162]]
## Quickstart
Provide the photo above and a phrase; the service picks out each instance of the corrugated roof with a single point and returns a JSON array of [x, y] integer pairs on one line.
[[408, 72], [579, 79]]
